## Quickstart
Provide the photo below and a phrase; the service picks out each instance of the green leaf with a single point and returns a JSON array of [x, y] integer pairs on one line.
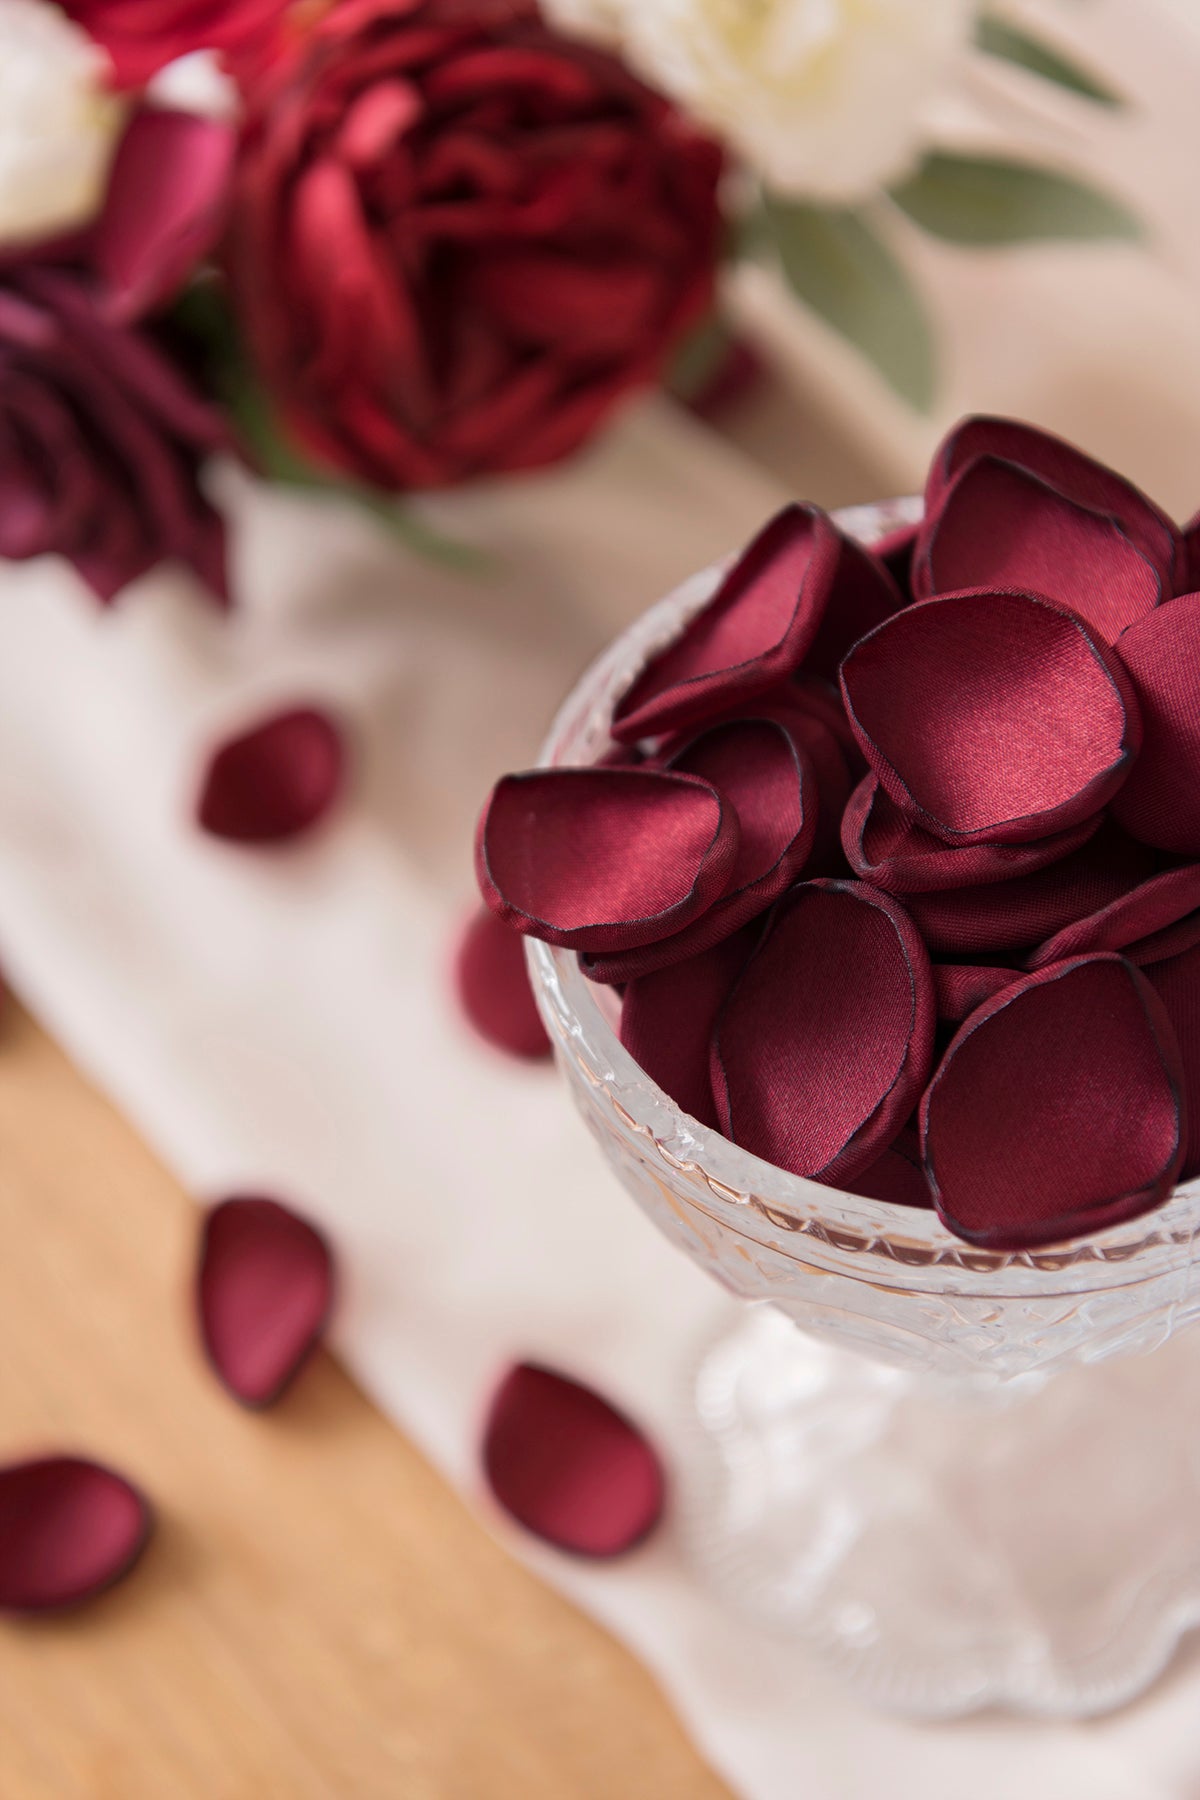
[[839, 267], [986, 200], [998, 38]]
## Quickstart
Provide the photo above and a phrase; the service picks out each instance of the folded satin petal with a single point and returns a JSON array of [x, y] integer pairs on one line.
[[493, 987], [276, 781], [1057, 1109], [1172, 940], [1176, 981], [1161, 654], [1075, 474], [753, 633], [824, 1044], [667, 1021], [885, 846], [758, 768], [1021, 913], [568, 1466], [1150, 907], [898, 1177], [604, 859], [69, 1529], [862, 596], [992, 715], [961, 987], [264, 1290], [998, 526]]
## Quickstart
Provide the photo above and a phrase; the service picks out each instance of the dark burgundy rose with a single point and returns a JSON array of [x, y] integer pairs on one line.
[[824, 1044], [458, 238], [992, 716], [1000, 527], [143, 36], [101, 441], [1058, 1108], [1072, 473]]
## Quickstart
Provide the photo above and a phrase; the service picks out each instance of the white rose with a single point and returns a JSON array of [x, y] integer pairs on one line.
[[822, 97], [58, 125]]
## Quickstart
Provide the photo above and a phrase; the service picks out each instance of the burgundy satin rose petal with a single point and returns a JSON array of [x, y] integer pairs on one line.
[[1153, 905], [1001, 527], [822, 700], [862, 596], [1161, 654], [69, 1529], [884, 846], [264, 1289], [961, 987], [568, 1466], [1057, 1109], [825, 1041], [1176, 981], [895, 551], [165, 205], [275, 781], [667, 1021], [1172, 940], [604, 859], [493, 987], [1018, 914], [991, 715], [898, 1177], [753, 633], [1079, 476]]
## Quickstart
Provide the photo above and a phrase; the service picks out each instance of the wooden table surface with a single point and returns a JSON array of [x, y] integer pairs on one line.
[[318, 1614]]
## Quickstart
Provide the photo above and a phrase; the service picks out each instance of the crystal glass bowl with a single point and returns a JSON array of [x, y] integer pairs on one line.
[[930, 1479]]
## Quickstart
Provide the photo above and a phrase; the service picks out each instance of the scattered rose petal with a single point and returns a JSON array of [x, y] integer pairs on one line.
[[568, 1466], [493, 987], [755, 765], [265, 1289], [1000, 527], [898, 1177], [884, 846], [165, 205], [991, 715], [961, 987], [69, 1528], [753, 633], [1160, 801], [1020, 913], [1150, 907], [825, 1041], [604, 859], [667, 1021], [1176, 981], [275, 781], [1073, 473], [1057, 1109]]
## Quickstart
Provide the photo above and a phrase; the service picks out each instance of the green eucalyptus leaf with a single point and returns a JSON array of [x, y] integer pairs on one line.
[[988, 200], [998, 38], [838, 265]]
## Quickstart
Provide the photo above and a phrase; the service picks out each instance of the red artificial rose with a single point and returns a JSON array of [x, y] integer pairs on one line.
[[458, 238], [101, 440], [143, 36]]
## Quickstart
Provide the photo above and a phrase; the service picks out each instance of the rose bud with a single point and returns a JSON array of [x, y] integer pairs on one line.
[[1071, 472], [1000, 527], [824, 1044], [991, 715], [604, 859], [458, 239], [1057, 1109], [103, 442]]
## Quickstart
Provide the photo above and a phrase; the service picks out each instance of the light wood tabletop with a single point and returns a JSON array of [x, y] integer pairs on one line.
[[318, 1615]]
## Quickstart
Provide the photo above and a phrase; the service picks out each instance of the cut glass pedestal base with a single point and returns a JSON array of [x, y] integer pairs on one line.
[[1033, 1545]]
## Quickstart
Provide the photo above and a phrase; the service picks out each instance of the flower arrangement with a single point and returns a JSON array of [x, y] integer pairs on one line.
[[895, 854], [398, 244]]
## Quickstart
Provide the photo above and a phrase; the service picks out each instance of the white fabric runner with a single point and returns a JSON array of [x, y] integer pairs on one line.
[[282, 1021]]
